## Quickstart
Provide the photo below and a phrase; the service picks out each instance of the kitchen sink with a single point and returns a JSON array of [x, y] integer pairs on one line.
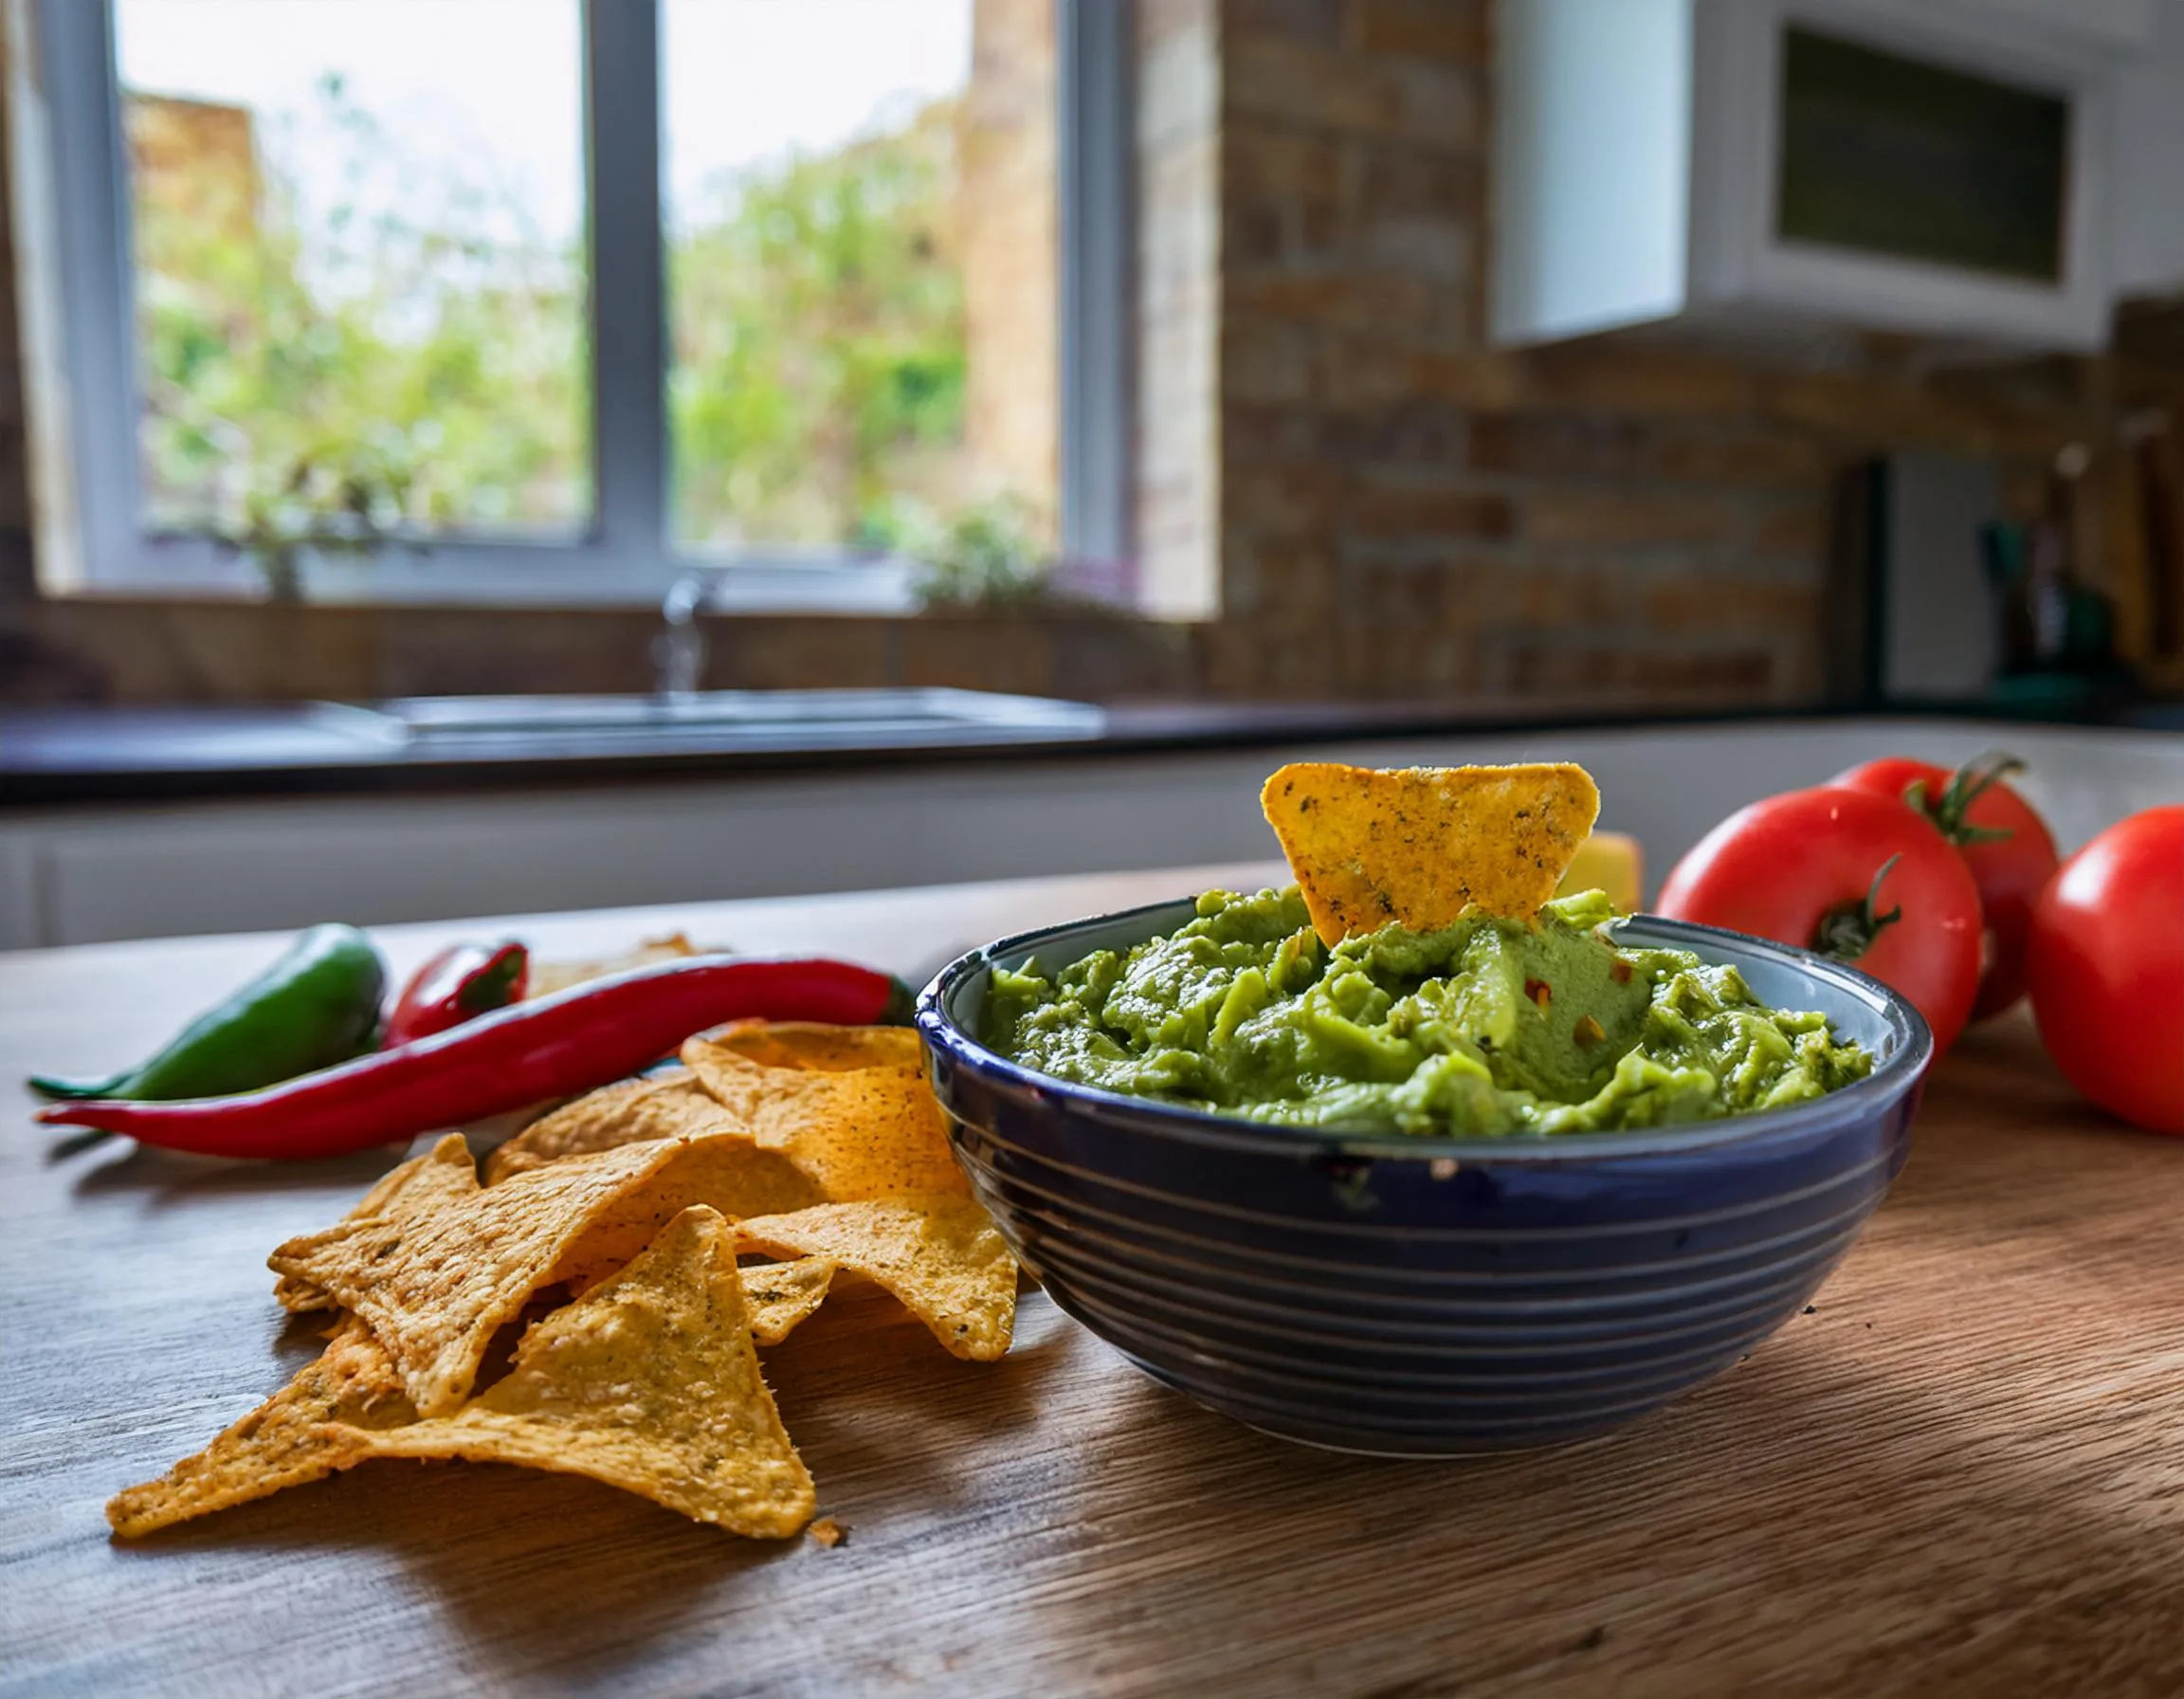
[[740, 718]]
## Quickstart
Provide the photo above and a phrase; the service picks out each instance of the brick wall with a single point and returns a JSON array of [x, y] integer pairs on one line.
[[1381, 505], [1177, 312], [1406, 511], [1007, 216]]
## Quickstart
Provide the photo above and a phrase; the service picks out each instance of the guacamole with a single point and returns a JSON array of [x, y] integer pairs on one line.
[[1485, 1027]]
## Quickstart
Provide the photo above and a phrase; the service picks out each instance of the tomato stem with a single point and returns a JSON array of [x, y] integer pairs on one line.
[[1969, 783], [1847, 932]]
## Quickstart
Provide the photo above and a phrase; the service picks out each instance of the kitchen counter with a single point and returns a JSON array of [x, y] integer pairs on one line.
[[126, 754], [121, 755], [1957, 1472]]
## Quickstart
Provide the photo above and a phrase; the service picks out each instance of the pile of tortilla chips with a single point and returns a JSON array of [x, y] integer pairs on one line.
[[610, 1239]]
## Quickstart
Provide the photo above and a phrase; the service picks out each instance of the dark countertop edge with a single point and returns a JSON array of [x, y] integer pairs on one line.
[[1134, 730]]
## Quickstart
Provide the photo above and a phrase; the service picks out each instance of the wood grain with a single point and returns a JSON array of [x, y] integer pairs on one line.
[[1959, 1473]]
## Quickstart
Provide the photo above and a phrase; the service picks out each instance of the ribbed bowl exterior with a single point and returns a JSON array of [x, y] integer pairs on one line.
[[1425, 1297]]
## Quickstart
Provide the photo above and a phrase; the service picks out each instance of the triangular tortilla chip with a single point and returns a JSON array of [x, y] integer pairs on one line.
[[782, 1296], [285, 1442], [938, 1254], [445, 1172], [436, 1277], [648, 1384], [865, 1132], [1419, 845], [663, 1107], [442, 1270]]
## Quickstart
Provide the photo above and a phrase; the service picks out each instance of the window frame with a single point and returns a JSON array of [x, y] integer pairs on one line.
[[627, 554]]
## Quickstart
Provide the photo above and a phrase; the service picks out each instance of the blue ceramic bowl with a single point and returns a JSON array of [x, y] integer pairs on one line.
[[1426, 1297]]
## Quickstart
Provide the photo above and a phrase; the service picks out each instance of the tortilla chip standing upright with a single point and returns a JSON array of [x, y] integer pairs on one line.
[[1419, 845]]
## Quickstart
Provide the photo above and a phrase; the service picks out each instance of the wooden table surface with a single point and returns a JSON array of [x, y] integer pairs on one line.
[[1963, 1471]]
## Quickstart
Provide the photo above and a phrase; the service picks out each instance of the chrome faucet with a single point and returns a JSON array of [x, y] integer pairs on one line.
[[679, 650]]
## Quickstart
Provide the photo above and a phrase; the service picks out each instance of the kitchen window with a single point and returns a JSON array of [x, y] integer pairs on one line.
[[542, 301]]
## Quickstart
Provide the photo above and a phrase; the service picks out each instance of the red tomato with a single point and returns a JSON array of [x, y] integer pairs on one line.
[[2010, 868], [1800, 869], [2108, 969]]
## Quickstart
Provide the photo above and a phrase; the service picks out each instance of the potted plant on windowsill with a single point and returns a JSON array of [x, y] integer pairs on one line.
[[987, 558], [994, 559], [331, 499]]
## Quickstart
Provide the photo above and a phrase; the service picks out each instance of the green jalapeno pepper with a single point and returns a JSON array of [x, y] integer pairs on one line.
[[317, 1005]]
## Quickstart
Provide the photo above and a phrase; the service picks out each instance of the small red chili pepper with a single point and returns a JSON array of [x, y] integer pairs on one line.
[[555, 1047], [461, 983]]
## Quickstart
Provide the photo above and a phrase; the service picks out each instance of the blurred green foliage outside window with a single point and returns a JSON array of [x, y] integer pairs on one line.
[[393, 307]]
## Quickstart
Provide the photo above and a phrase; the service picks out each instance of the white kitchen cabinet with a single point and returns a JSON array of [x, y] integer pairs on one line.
[[2148, 226], [1988, 172], [89, 874]]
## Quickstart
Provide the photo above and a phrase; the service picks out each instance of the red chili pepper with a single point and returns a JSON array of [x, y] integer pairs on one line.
[[461, 983], [557, 1047]]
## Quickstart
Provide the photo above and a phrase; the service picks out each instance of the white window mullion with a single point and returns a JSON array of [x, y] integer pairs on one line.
[[91, 233], [628, 267], [1094, 41]]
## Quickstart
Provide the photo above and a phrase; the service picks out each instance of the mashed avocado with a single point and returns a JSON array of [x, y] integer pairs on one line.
[[1485, 1027]]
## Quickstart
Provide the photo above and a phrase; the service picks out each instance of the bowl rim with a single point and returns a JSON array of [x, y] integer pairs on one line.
[[1891, 1077]]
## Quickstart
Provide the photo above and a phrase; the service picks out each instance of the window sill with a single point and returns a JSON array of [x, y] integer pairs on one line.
[[512, 577], [758, 600], [583, 574]]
